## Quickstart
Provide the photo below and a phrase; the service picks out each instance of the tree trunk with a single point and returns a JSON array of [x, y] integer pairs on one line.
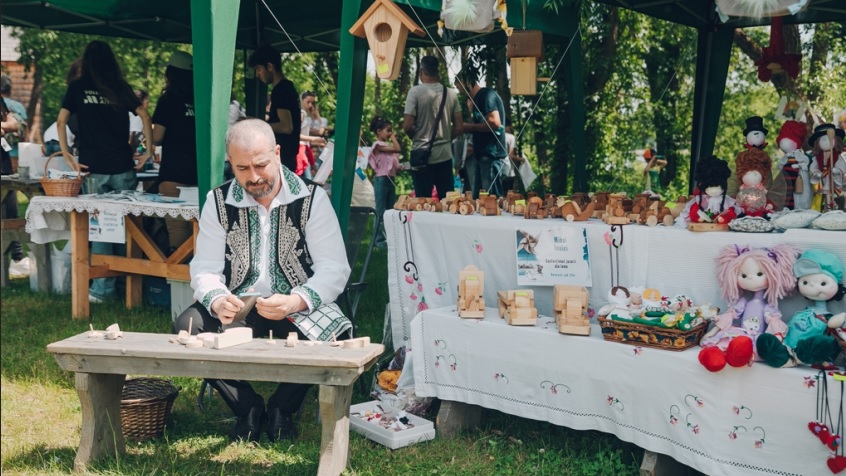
[[33, 111]]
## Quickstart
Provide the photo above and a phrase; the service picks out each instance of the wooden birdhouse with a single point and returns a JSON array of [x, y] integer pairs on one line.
[[525, 48], [386, 28]]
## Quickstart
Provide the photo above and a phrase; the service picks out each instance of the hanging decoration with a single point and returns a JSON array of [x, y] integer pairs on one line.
[[525, 49], [386, 28], [773, 58], [472, 15], [759, 8]]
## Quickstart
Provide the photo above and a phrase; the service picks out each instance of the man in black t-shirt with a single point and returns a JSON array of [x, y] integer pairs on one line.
[[284, 117]]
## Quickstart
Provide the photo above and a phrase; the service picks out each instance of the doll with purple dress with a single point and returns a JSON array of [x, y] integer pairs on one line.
[[752, 281]]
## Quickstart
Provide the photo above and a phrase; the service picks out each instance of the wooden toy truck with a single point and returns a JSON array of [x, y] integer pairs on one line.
[[570, 305], [471, 293], [518, 307]]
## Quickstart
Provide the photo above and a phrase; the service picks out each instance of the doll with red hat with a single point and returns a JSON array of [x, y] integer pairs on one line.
[[753, 171], [752, 281], [711, 203], [794, 166], [828, 167]]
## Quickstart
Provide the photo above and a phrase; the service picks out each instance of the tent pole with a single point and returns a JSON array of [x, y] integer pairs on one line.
[[712, 62], [576, 106], [213, 30], [351, 76]]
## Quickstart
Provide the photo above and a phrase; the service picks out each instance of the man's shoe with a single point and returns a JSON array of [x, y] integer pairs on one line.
[[248, 426], [16, 250], [280, 426]]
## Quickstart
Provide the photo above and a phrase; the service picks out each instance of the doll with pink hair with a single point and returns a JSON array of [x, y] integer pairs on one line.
[[752, 281]]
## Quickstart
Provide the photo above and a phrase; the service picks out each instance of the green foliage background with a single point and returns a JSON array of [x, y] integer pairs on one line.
[[638, 88]]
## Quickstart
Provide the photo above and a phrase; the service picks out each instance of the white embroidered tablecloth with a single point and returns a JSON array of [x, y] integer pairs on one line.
[[751, 420], [427, 250], [47, 217]]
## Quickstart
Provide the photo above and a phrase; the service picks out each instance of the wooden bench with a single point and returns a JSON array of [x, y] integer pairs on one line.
[[101, 366]]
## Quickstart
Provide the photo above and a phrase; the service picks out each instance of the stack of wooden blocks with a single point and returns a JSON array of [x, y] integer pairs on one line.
[[570, 306]]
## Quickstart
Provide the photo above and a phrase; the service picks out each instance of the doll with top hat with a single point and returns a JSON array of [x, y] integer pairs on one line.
[[711, 203], [752, 281], [794, 166], [753, 171], [828, 167], [808, 341]]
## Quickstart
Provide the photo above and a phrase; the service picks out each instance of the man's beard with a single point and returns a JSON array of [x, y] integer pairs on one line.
[[260, 188]]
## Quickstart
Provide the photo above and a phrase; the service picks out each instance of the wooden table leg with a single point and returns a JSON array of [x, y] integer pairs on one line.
[[42, 263], [134, 288], [79, 265], [102, 434], [335, 414]]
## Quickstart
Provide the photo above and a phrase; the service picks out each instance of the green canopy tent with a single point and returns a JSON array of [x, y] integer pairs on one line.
[[217, 27]]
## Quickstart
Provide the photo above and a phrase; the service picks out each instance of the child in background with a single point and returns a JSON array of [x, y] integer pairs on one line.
[[384, 159]]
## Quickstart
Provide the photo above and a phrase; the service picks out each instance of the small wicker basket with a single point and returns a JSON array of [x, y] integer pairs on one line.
[[61, 187], [651, 336], [145, 407]]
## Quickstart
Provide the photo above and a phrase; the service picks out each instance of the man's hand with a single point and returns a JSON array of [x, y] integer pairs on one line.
[[279, 306], [226, 307]]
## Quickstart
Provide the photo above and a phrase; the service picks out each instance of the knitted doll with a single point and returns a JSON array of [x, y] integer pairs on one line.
[[794, 165], [753, 167], [827, 180], [752, 281], [710, 203], [818, 274]]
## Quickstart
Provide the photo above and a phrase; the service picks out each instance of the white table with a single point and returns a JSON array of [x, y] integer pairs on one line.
[[61, 218], [660, 400], [427, 250]]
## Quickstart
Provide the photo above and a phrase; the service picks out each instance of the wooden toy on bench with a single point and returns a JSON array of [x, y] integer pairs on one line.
[[570, 305], [518, 307], [471, 293]]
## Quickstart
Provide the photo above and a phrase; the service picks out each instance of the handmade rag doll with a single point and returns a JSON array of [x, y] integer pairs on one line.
[[710, 203], [794, 166], [828, 167], [752, 280], [753, 170], [818, 274]]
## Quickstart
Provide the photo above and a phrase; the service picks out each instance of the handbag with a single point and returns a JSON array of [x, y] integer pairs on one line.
[[420, 157]]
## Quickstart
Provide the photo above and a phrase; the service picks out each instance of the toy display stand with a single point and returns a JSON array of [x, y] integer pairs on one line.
[[570, 309], [707, 226], [471, 293], [518, 307]]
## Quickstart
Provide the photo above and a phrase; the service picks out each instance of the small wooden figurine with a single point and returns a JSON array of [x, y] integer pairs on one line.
[[518, 307], [471, 293], [570, 305]]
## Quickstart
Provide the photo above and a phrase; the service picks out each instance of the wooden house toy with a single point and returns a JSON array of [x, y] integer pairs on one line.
[[386, 28], [570, 304], [471, 293], [518, 307]]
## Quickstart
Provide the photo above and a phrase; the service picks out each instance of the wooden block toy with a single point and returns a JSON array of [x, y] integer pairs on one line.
[[471, 293], [233, 337], [707, 226], [518, 307], [466, 207], [535, 209], [570, 304], [489, 206], [402, 203], [356, 343]]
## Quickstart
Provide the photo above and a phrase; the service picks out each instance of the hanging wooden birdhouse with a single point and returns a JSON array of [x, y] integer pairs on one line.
[[386, 28], [525, 48]]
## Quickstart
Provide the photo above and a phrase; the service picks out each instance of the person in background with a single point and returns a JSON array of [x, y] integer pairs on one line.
[[384, 159], [421, 108], [311, 139], [304, 274], [175, 130], [51, 139], [136, 125], [236, 110], [19, 112], [284, 113], [102, 98], [508, 173], [488, 129], [10, 204]]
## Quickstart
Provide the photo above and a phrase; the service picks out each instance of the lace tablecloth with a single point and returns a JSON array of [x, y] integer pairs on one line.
[[47, 217]]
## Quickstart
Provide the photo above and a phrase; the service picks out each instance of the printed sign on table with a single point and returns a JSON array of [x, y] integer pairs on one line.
[[106, 227], [553, 256]]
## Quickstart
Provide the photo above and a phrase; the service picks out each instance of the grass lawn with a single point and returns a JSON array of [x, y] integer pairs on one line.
[[41, 414]]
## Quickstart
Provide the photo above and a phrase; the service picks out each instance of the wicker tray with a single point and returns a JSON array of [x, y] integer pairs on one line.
[[145, 407], [61, 187], [651, 336]]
